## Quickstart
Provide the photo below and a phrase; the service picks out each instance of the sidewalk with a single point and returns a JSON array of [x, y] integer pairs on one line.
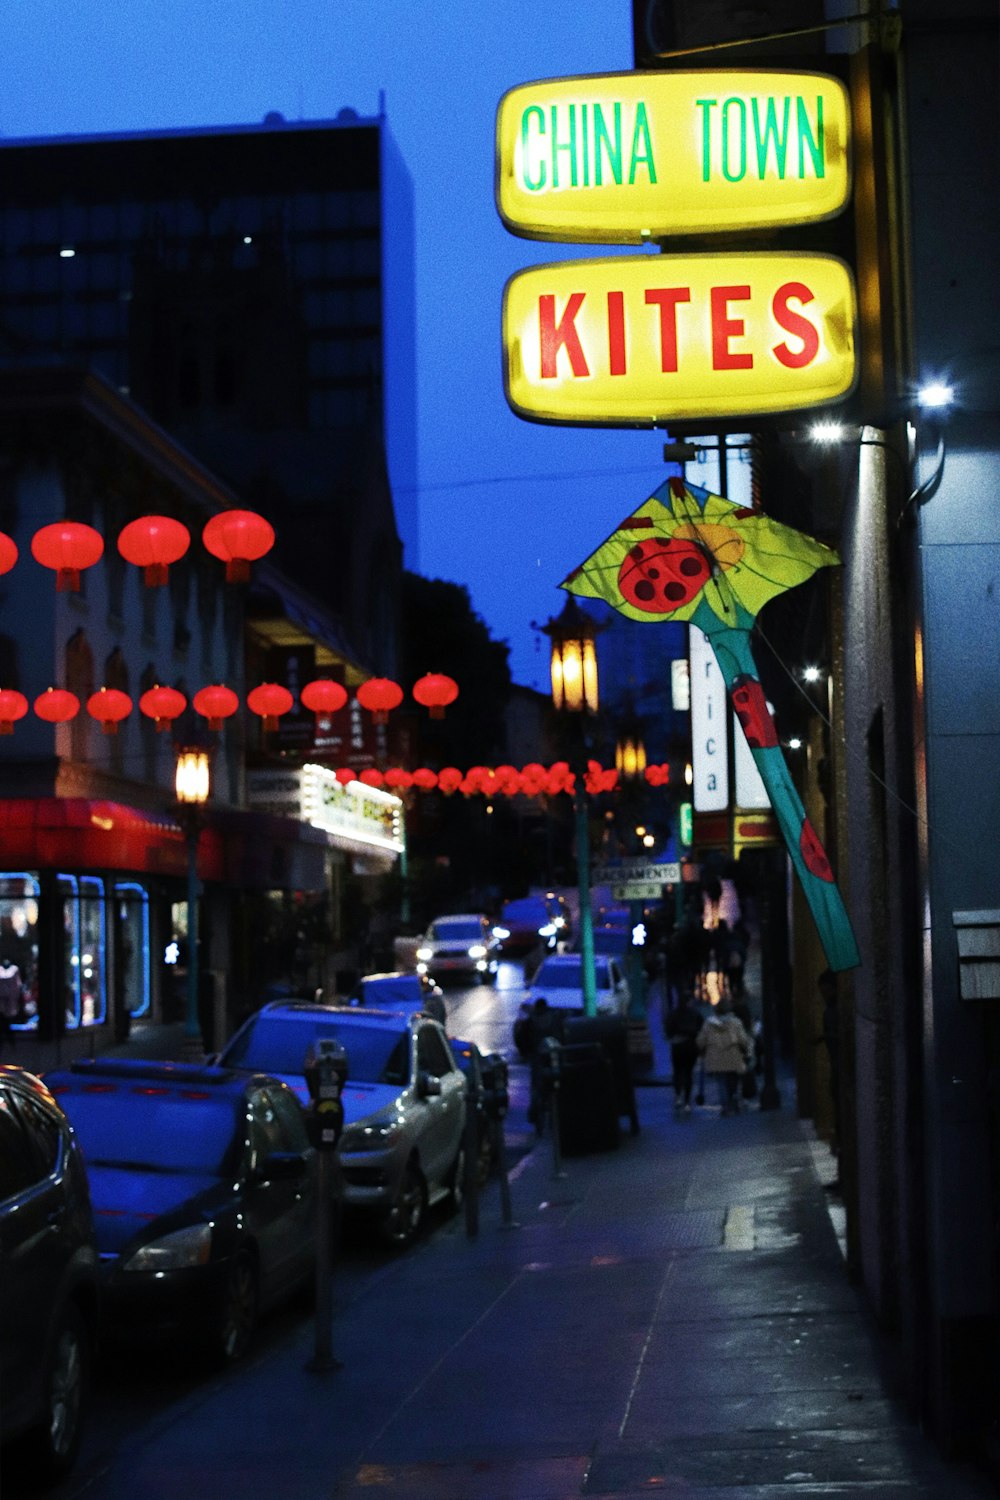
[[672, 1318]]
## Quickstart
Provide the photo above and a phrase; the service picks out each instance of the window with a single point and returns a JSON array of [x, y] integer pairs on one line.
[[84, 950], [432, 1054], [19, 936], [132, 910]]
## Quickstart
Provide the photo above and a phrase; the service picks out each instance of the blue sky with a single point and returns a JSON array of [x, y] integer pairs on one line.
[[507, 507]]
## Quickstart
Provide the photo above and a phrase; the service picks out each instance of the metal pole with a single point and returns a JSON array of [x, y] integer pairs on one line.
[[583, 885], [192, 1027]]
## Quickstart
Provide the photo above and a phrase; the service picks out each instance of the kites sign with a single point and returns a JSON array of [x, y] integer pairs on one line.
[[624, 158], [639, 340]]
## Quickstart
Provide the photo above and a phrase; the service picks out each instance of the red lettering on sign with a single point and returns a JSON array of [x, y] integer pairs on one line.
[[666, 299], [725, 328], [797, 325], [616, 332], [561, 335]]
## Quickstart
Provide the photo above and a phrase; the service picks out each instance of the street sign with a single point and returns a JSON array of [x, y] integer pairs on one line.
[[645, 339], [638, 890], [621, 158], [642, 872]]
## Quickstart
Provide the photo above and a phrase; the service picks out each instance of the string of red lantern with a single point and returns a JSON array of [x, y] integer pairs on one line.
[[323, 697], [67, 547], [238, 538], [434, 691], [380, 695], [56, 705], [215, 703], [163, 705], [270, 700], [109, 706]]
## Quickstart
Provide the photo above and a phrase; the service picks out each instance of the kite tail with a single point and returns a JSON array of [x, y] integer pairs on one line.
[[807, 854]]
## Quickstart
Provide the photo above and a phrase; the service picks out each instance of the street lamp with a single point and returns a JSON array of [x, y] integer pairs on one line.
[[630, 762], [192, 783], [574, 690]]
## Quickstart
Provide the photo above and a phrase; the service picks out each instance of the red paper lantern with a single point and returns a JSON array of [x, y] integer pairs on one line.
[[109, 706], [508, 780], [238, 538], [380, 695], [215, 703], [434, 691], [270, 701], [371, 777], [324, 697], [57, 706], [13, 705], [449, 779], [345, 775], [398, 779], [162, 705], [425, 779], [153, 543], [67, 546], [8, 552]]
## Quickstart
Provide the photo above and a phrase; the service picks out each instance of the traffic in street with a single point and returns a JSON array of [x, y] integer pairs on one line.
[[142, 1382]]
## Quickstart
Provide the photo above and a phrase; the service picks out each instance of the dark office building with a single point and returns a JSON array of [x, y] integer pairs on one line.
[[252, 289]]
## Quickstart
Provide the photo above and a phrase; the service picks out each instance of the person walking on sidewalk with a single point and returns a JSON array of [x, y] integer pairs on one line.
[[728, 1050], [681, 1028]]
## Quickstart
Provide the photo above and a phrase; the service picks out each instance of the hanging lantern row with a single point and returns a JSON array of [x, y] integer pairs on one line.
[[152, 543], [532, 780], [215, 703]]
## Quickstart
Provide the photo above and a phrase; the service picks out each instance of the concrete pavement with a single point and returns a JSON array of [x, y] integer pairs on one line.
[[672, 1317]]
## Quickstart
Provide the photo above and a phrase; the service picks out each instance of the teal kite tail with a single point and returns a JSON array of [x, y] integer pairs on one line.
[[735, 658]]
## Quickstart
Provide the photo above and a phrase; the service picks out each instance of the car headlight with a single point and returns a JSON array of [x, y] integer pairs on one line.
[[424, 954], [549, 930], [501, 932], [371, 1135], [477, 950], [174, 1252]]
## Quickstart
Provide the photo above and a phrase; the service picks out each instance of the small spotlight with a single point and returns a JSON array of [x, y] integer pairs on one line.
[[67, 252], [812, 674], [795, 743], [935, 395], [826, 432], [248, 239]]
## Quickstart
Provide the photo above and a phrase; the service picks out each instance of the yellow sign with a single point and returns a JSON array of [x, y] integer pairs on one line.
[[619, 158], [645, 339]]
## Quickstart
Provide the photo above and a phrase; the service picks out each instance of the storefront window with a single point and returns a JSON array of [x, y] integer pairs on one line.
[[85, 988], [132, 906], [19, 947]]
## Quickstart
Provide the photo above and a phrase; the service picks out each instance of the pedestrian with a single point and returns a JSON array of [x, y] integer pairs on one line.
[[681, 1028], [728, 1051]]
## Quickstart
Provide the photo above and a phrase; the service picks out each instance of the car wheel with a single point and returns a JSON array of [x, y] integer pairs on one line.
[[405, 1218], [237, 1320], [50, 1449]]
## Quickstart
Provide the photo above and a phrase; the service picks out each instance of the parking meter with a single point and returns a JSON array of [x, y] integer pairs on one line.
[[325, 1072], [550, 1062]]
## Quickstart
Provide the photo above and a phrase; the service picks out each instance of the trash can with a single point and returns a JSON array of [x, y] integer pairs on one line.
[[613, 1035], [588, 1105]]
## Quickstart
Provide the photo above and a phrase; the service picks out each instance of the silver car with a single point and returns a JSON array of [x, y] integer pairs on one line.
[[465, 946], [402, 1146]]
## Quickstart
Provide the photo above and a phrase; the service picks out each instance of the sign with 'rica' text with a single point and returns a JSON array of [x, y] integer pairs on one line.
[[623, 158], [646, 339]]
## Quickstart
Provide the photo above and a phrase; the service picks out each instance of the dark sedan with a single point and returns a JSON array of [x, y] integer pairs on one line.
[[203, 1184]]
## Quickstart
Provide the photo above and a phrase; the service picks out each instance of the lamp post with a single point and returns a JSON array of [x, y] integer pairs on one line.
[[630, 762], [574, 691], [192, 783]]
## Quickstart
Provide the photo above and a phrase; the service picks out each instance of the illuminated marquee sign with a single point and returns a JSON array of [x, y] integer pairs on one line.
[[356, 813], [622, 158], [640, 340]]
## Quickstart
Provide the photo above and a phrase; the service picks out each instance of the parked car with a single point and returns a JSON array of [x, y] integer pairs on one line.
[[460, 946], [204, 1188], [404, 1102], [49, 1285], [531, 922], [400, 991], [560, 980]]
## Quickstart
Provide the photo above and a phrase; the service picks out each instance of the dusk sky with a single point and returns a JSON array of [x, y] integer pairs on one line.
[[506, 507]]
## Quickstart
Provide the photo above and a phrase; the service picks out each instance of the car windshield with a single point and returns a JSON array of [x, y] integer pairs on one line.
[[567, 976], [279, 1044], [460, 932], [154, 1129]]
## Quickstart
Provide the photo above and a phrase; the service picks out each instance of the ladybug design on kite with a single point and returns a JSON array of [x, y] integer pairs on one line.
[[661, 574], [753, 713]]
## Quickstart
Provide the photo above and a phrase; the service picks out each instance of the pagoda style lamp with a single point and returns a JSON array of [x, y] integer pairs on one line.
[[574, 691], [192, 784]]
